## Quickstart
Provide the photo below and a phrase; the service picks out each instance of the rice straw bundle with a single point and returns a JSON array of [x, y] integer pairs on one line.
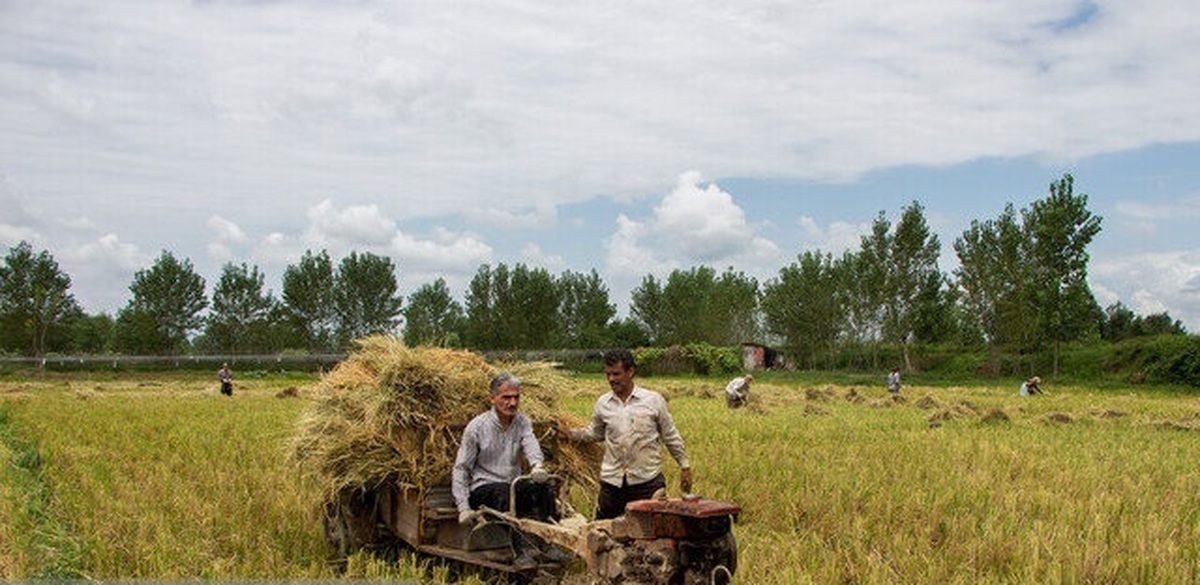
[[396, 413]]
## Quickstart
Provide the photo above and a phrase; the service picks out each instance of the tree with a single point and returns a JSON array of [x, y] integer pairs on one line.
[[627, 332], [1121, 323], [432, 316], [93, 334], [530, 311], [483, 321], [308, 299], [1159, 324], [1060, 227], [584, 311], [913, 282], [733, 309], [1118, 323], [512, 309], [365, 297], [168, 299], [994, 276], [240, 316], [802, 306], [36, 307], [698, 306], [869, 282], [647, 307]]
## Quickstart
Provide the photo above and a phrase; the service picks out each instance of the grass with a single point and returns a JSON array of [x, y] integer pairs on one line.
[[162, 478]]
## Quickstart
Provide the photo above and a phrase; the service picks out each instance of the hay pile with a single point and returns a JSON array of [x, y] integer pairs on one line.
[[395, 413]]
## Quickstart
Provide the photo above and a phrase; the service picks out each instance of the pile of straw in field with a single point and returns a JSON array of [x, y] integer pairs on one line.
[[396, 413]]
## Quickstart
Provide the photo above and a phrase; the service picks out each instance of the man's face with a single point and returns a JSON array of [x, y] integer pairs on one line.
[[507, 400], [620, 378]]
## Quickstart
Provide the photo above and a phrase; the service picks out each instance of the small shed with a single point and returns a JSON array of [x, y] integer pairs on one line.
[[756, 356]]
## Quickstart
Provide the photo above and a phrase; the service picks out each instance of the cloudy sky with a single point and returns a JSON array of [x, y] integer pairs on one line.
[[629, 137]]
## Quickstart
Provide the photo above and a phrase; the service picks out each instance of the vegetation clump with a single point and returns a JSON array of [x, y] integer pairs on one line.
[[395, 413]]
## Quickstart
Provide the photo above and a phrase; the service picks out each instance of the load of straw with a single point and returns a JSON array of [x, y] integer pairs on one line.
[[396, 413]]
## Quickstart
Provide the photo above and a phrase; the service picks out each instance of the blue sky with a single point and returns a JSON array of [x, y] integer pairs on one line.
[[629, 137]]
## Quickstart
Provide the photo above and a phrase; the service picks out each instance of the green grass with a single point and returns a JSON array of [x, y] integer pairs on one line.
[[162, 478]]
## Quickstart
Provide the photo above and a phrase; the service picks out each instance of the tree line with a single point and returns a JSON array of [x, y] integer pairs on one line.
[[1021, 286]]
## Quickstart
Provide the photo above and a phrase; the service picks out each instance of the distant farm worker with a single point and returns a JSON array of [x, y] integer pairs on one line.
[[1031, 386], [737, 391], [893, 381], [225, 375], [489, 460], [634, 424]]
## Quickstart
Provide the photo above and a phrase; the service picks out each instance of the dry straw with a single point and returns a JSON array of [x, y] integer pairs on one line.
[[396, 413]]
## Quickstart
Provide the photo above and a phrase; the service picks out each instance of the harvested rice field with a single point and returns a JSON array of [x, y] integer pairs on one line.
[[161, 477]]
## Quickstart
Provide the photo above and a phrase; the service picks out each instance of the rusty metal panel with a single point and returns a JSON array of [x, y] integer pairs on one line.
[[693, 508]]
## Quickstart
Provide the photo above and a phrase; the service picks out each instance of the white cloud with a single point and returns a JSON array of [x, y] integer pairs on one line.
[[1146, 218], [462, 254], [226, 235], [692, 225], [1151, 283], [836, 238], [533, 255], [355, 225], [701, 222], [145, 120], [101, 271], [493, 218], [225, 231]]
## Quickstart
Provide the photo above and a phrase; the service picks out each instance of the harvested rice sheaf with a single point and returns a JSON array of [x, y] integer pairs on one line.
[[395, 413]]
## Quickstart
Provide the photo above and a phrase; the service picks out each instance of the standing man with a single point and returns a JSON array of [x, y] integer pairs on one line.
[[633, 422], [225, 375], [489, 458], [893, 381], [737, 391]]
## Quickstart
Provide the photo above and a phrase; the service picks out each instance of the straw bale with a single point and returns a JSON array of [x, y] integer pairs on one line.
[[394, 413], [928, 402]]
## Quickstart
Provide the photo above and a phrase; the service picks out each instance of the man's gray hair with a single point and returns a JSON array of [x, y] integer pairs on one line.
[[501, 379]]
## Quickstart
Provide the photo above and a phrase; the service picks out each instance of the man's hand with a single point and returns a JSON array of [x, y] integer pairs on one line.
[[468, 517], [539, 474], [685, 480]]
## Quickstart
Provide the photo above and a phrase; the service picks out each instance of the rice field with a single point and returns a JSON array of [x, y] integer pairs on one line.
[[160, 477]]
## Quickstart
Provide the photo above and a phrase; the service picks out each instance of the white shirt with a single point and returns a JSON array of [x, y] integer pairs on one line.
[[491, 454], [737, 388], [632, 431]]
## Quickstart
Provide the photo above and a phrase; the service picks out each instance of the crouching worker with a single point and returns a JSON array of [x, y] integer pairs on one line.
[[489, 459]]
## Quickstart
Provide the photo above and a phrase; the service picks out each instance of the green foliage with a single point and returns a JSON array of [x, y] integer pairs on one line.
[[365, 297], [166, 308], [627, 332], [513, 309], [36, 307], [240, 320], [308, 299], [698, 306], [1121, 323], [1164, 359], [694, 358], [802, 306], [584, 311], [433, 317], [93, 334]]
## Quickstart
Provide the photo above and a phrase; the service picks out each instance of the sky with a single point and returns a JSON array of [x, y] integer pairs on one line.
[[632, 138]]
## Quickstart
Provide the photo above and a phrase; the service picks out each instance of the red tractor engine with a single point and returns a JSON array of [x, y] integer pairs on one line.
[[667, 542]]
